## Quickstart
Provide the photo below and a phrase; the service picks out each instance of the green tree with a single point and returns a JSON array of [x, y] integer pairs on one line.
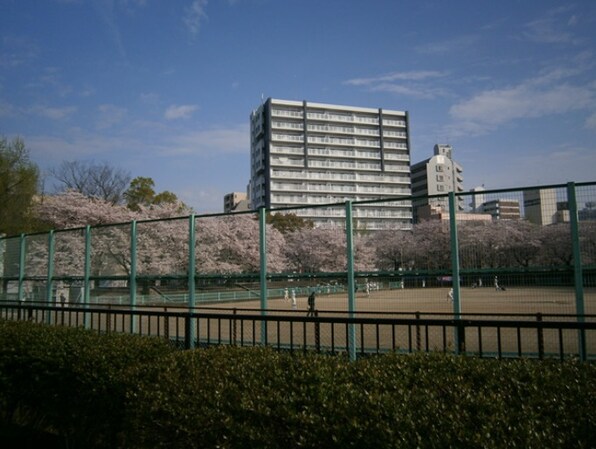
[[18, 186], [141, 193], [286, 223]]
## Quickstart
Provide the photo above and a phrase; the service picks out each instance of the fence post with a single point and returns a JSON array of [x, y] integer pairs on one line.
[[86, 299], [21, 291], [263, 270], [577, 267], [132, 279], [192, 300], [50, 280], [351, 284], [455, 266]]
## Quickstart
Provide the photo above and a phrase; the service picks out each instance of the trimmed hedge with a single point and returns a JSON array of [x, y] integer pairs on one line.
[[135, 392]]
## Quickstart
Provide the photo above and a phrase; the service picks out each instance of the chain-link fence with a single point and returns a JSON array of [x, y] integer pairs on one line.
[[514, 254]]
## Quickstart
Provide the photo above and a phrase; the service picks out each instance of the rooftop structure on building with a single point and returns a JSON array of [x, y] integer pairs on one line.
[[236, 202], [311, 154], [437, 175]]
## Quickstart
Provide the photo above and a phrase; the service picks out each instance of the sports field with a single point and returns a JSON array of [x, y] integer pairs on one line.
[[526, 300], [404, 303]]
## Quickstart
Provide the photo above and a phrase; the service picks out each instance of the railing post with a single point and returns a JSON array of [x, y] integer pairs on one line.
[[263, 270], [351, 284], [418, 338], [50, 280], [577, 267], [455, 266], [234, 327], [132, 280], [317, 332], [540, 332], [192, 300], [86, 299], [21, 291], [188, 340]]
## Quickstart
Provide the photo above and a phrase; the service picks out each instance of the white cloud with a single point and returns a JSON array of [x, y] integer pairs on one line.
[[194, 15], [149, 98], [7, 110], [456, 44], [212, 142], [110, 115], [411, 83], [16, 51], [544, 95], [591, 122], [396, 76], [175, 112], [553, 27], [53, 112]]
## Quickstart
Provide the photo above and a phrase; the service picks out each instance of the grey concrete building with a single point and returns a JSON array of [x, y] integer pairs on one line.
[[310, 154]]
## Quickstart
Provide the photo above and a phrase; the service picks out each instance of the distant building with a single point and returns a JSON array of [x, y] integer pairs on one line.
[[588, 212], [429, 212], [501, 209], [478, 198], [235, 202], [309, 154], [437, 175], [562, 215], [540, 206]]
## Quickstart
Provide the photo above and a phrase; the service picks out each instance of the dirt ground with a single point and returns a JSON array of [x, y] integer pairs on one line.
[[555, 300], [429, 302]]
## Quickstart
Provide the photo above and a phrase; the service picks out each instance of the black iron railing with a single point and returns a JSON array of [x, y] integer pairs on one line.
[[487, 335]]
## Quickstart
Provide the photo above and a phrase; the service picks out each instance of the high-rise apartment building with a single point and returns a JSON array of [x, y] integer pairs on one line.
[[309, 154], [437, 175]]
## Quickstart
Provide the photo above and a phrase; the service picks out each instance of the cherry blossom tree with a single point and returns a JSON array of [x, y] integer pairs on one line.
[[230, 244], [312, 250], [556, 246], [394, 249], [432, 245]]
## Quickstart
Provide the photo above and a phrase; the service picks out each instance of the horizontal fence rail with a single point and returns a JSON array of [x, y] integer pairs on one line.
[[512, 336]]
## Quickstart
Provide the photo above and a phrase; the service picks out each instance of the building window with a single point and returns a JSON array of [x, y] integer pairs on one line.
[[439, 168]]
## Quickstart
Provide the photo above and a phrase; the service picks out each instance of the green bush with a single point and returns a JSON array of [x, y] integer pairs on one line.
[[133, 392], [73, 382]]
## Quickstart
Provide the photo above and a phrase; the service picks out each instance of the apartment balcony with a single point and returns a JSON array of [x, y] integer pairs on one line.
[[397, 123]]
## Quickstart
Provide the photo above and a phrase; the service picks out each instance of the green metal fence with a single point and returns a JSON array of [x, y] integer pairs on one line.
[[524, 250]]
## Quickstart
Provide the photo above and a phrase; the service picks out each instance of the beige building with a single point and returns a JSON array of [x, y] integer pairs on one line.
[[437, 175], [540, 206], [235, 202]]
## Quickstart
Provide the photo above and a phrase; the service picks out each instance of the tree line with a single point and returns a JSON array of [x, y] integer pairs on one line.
[[97, 194], [21, 188]]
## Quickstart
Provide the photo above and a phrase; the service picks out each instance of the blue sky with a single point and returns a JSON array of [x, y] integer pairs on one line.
[[164, 88]]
